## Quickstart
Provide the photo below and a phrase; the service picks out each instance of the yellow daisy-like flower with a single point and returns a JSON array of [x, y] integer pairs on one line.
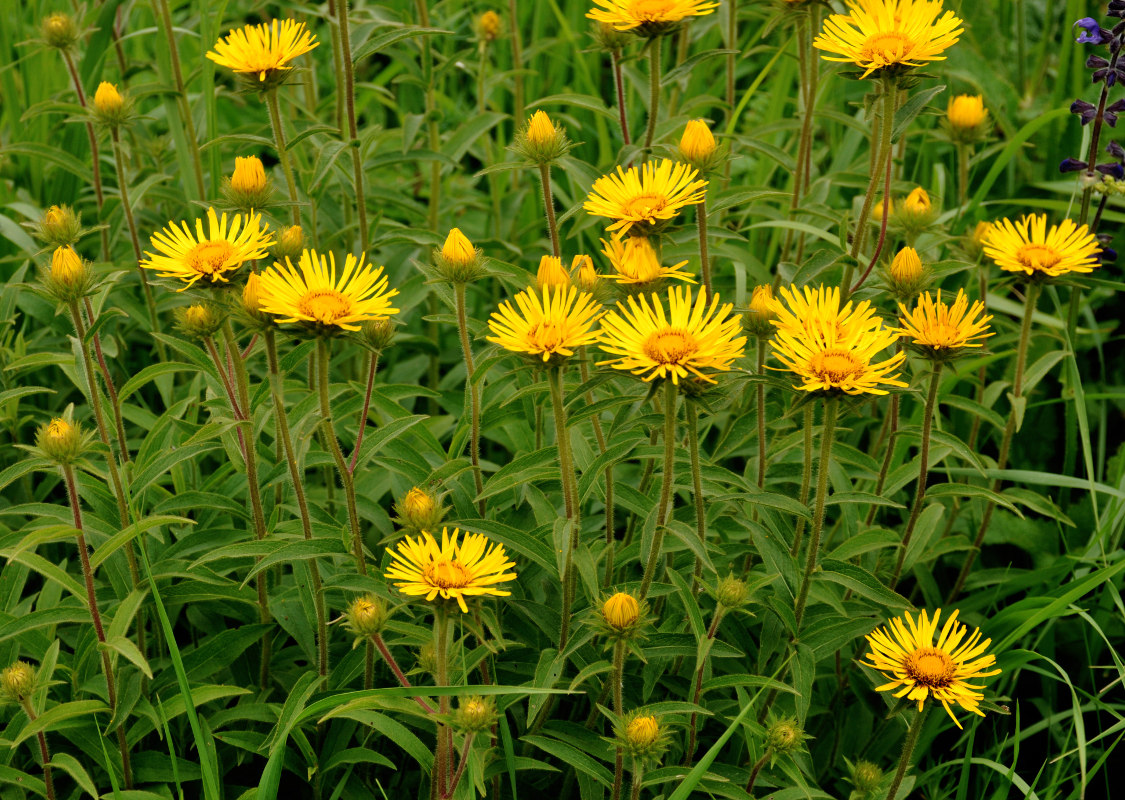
[[643, 16], [551, 324], [312, 292], [684, 341], [882, 34], [1030, 247], [645, 198], [935, 326], [635, 262], [919, 669], [263, 49], [453, 571], [831, 348], [208, 254]]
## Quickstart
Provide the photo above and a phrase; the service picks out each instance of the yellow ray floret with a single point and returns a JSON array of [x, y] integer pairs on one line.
[[452, 571], [625, 15], [920, 668], [831, 348], [313, 293], [555, 322], [1030, 247], [210, 253], [879, 34], [651, 195], [684, 341], [933, 324], [263, 48], [635, 262]]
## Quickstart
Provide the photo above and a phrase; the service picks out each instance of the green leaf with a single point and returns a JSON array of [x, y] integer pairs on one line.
[[150, 373], [385, 40], [861, 582], [52, 717], [129, 650], [911, 109]]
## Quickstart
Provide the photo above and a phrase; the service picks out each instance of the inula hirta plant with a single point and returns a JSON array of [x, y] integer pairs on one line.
[[598, 401]]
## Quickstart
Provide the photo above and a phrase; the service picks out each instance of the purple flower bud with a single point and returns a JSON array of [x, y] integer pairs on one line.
[[1095, 62], [1110, 119], [1084, 110], [1115, 150], [1071, 165], [1116, 8], [1117, 107], [1107, 254], [1113, 170], [1100, 75], [1092, 32]]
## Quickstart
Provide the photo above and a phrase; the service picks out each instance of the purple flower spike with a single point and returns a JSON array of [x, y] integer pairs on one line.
[[1092, 32], [1084, 110]]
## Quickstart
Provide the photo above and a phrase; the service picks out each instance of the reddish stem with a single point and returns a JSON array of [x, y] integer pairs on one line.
[[385, 652]]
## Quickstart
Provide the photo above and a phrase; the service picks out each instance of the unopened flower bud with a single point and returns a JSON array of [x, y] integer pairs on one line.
[[17, 682], [914, 214], [642, 736], [425, 661], [379, 333], [541, 141], [198, 321], [110, 106], [290, 243], [366, 616], [608, 38], [458, 260], [966, 115], [420, 509], [785, 736], [488, 26], [621, 611], [732, 592], [551, 274], [475, 714], [877, 211], [540, 129], [60, 31], [697, 145], [756, 320], [61, 441], [642, 731], [583, 273], [974, 242], [69, 277], [248, 187], [917, 202], [907, 276], [58, 226], [866, 777]]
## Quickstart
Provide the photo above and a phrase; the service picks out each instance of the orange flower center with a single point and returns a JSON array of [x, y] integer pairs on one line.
[[546, 335], [670, 346], [654, 10], [324, 305], [645, 206], [210, 257], [446, 574], [836, 366], [929, 666], [887, 47], [942, 334], [1038, 256]]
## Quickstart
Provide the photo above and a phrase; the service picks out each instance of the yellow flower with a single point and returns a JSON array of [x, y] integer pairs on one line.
[[551, 274], [61, 441], [59, 30], [290, 242], [641, 735], [475, 714], [583, 272], [17, 682], [458, 249], [418, 502], [107, 100], [553, 326], [917, 202], [648, 15], [488, 26], [1028, 246], [906, 267], [540, 129], [643, 731], [935, 326], [209, 254], [452, 571], [762, 309], [879, 34], [249, 175], [966, 112], [263, 49], [676, 344], [67, 267], [621, 610], [831, 348], [697, 144], [877, 210], [199, 315], [367, 615], [635, 262], [919, 669], [649, 196], [252, 294], [315, 294], [420, 509]]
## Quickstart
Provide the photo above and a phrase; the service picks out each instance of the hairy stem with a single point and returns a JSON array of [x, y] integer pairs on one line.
[[283, 154], [827, 435], [474, 392]]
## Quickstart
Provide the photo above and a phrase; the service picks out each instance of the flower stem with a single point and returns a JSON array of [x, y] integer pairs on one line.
[[186, 117], [570, 497], [665, 502], [732, 44], [704, 255], [96, 618], [654, 90], [474, 391], [95, 159], [372, 366], [599, 437], [283, 153], [110, 387], [44, 753], [328, 430], [761, 762], [963, 155], [442, 754], [907, 751], [923, 472], [465, 749], [431, 114], [123, 188], [882, 150], [549, 204], [517, 64], [353, 133], [385, 652], [827, 435], [696, 489], [337, 66], [638, 781], [296, 476], [697, 681], [760, 391], [619, 85], [806, 477], [1006, 442]]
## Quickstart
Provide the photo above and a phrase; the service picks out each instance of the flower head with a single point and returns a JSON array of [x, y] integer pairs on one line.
[[59, 226], [69, 277], [833, 349], [646, 199], [889, 34], [917, 202], [546, 325], [689, 339], [785, 736], [210, 254], [264, 50], [732, 592], [915, 213], [541, 141], [420, 509], [551, 274], [314, 294], [475, 714], [761, 310], [621, 611], [488, 26], [17, 682], [248, 187], [636, 264], [458, 260], [452, 571], [648, 17], [1030, 247], [941, 330], [62, 441], [920, 669], [199, 320], [697, 145], [367, 616], [642, 735], [59, 30], [907, 275], [966, 113], [110, 106], [583, 274], [290, 243], [974, 241]]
